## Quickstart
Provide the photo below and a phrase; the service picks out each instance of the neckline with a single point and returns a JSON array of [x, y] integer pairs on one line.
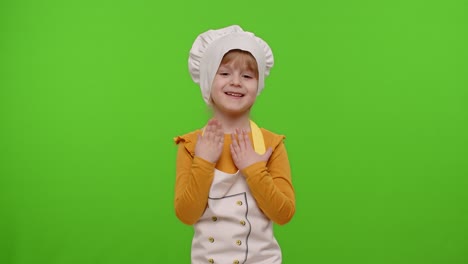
[[257, 137]]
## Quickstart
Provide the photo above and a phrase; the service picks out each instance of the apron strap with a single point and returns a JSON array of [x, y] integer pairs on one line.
[[258, 142]]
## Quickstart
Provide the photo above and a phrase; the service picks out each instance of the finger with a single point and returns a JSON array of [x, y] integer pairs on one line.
[[210, 130], [210, 124], [219, 139], [233, 152], [233, 139], [248, 143], [235, 144], [219, 125], [241, 140], [207, 128], [219, 129], [266, 156], [221, 143], [216, 124]]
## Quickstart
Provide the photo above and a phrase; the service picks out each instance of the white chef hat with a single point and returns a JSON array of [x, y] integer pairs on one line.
[[210, 47]]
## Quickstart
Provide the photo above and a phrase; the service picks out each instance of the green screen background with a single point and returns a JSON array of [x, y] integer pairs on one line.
[[372, 96]]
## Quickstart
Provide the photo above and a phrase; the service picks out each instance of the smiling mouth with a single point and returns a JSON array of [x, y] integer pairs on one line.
[[234, 94]]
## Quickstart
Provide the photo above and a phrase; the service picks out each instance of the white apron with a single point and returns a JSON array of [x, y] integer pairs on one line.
[[232, 229]]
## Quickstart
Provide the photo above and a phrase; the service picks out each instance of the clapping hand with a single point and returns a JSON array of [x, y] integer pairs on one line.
[[210, 145], [242, 151]]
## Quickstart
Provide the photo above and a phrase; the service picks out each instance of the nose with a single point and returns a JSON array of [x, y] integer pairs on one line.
[[235, 80]]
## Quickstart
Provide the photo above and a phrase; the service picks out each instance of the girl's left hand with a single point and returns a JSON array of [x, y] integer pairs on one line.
[[242, 151]]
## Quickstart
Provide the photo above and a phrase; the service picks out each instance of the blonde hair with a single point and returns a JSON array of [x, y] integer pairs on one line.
[[242, 59]]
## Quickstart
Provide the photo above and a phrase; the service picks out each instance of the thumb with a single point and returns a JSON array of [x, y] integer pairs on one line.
[[266, 156]]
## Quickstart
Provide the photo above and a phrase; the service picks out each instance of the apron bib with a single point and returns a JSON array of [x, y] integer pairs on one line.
[[233, 229]]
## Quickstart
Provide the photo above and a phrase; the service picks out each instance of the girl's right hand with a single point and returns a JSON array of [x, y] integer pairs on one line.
[[210, 145]]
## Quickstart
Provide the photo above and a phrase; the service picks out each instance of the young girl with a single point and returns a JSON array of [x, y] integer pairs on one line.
[[232, 178]]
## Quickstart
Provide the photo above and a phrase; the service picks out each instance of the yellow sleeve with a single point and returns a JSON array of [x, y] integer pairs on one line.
[[270, 184], [194, 176]]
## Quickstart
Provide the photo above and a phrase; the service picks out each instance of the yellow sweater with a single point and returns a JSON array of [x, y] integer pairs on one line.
[[269, 182]]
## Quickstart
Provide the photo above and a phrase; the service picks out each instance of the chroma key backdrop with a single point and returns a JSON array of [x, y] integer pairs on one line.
[[372, 97]]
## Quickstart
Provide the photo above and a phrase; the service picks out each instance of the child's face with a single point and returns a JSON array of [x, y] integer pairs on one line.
[[234, 89]]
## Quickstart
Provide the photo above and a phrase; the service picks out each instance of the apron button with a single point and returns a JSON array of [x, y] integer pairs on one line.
[[211, 239], [211, 261], [238, 242], [239, 202], [214, 218], [235, 262], [242, 222]]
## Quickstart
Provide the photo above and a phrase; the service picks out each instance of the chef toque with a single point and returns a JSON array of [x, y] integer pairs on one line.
[[209, 48]]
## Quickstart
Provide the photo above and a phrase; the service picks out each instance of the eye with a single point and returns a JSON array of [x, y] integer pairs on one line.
[[247, 76], [224, 73]]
